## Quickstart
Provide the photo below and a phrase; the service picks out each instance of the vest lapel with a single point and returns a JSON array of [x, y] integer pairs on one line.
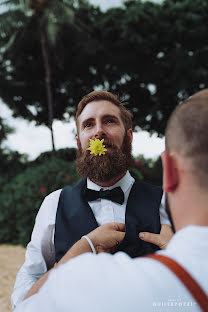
[[74, 218], [142, 215], [84, 213]]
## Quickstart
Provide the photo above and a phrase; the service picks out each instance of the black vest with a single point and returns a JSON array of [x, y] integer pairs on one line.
[[74, 218]]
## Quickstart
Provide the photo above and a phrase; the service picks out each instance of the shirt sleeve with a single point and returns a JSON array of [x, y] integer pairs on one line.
[[163, 214], [40, 252]]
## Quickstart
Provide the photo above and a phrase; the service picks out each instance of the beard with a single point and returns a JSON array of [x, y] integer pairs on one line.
[[105, 167]]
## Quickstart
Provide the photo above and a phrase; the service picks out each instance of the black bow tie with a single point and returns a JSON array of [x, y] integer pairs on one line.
[[115, 195]]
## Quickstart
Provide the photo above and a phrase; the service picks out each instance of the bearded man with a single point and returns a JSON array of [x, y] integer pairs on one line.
[[107, 193]]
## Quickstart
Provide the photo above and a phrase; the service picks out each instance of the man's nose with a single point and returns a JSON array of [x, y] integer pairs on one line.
[[100, 133]]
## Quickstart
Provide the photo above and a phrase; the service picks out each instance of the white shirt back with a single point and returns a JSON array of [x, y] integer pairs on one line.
[[118, 283]]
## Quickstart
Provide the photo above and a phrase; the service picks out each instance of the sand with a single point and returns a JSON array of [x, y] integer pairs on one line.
[[11, 258]]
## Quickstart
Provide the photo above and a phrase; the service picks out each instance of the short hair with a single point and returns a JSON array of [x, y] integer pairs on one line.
[[187, 133], [101, 95]]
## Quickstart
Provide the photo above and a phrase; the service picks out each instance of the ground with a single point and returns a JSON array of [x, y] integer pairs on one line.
[[11, 258]]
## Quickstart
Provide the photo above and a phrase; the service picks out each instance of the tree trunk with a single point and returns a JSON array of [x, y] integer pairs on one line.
[[47, 81]]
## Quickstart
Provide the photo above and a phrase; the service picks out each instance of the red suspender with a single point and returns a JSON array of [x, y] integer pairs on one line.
[[196, 291]]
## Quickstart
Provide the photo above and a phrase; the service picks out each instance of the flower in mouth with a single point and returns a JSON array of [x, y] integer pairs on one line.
[[96, 147]]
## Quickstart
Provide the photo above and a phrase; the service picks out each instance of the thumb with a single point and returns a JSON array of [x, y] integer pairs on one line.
[[150, 238]]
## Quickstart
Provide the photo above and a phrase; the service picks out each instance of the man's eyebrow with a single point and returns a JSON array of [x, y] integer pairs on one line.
[[109, 116], [87, 120]]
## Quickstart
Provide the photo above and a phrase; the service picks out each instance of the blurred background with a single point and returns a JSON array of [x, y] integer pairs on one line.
[[152, 54]]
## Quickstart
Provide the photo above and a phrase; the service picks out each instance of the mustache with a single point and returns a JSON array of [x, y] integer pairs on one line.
[[108, 143]]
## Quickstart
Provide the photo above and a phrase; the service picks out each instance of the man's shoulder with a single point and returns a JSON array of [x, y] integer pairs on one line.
[[113, 267], [53, 195]]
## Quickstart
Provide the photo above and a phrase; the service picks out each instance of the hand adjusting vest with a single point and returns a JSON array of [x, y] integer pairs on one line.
[[74, 218]]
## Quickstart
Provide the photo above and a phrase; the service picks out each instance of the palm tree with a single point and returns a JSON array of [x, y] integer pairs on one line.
[[40, 20]]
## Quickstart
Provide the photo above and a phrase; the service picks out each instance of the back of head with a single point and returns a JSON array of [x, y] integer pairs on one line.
[[187, 134]]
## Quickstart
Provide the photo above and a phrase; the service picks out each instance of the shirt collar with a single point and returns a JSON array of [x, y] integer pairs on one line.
[[124, 183]]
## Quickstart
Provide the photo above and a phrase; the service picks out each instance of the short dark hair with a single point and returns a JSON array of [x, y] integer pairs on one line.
[[100, 95], [187, 133]]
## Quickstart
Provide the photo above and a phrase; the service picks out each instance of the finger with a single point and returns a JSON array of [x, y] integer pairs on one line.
[[119, 236], [119, 226], [150, 238]]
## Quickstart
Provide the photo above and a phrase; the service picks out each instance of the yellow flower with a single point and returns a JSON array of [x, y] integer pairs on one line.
[[97, 147]]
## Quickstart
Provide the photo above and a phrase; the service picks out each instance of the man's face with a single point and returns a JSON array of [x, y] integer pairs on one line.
[[102, 120]]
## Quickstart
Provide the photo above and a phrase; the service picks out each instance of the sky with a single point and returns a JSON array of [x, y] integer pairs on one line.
[[34, 140], [106, 4]]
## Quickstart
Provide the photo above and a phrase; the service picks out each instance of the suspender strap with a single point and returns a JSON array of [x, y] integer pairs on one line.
[[196, 291]]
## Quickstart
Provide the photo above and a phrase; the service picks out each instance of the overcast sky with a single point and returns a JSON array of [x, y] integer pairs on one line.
[[34, 140], [106, 4]]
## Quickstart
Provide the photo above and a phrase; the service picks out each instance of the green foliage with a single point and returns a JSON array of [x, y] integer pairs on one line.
[[150, 169], [136, 172], [4, 130], [21, 198], [157, 56], [65, 25], [12, 163], [67, 154], [152, 55]]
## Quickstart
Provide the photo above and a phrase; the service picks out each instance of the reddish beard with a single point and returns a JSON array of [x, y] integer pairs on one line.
[[105, 167]]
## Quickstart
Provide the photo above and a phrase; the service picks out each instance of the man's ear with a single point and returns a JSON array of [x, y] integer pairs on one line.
[[170, 172], [130, 135]]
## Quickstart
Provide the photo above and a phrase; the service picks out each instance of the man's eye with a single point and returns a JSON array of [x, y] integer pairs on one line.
[[110, 121], [87, 125]]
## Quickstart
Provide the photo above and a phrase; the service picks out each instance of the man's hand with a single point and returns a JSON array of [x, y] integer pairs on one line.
[[105, 238], [161, 240]]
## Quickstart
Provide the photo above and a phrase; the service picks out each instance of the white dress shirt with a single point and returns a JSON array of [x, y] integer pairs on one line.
[[119, 283], [40, 253]]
